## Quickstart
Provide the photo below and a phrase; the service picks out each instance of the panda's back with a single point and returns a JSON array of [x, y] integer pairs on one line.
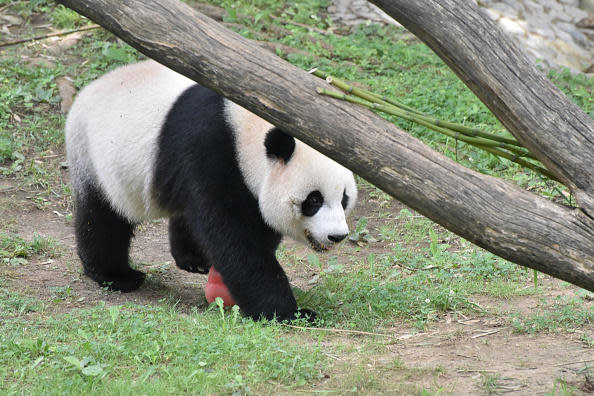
[[112, 132]]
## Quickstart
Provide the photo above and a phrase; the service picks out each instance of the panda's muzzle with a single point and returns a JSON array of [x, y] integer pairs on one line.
[[315, 245], [320, 247]]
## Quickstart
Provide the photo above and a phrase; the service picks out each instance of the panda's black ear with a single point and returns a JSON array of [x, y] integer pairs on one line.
[[279, 145]]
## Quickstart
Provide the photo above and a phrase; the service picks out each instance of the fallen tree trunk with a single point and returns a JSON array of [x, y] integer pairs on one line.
[[553, 128], [508, 221]]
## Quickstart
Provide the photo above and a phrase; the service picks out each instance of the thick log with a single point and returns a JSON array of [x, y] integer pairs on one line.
[[553, 128], [510, 222]]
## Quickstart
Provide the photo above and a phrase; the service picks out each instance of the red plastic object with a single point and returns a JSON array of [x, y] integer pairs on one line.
[[216, 288]]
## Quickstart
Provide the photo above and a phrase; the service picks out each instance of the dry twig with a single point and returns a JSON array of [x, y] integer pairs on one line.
[[486, 333], [578, 362], [49, 35], [357, 332]]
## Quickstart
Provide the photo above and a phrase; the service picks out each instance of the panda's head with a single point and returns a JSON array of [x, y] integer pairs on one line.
[[305, 194]]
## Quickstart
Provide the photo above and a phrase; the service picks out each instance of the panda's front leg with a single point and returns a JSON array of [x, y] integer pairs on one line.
[[243, 251], [260, 287], [184, 249]]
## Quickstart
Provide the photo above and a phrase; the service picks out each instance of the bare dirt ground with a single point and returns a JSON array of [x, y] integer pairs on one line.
[[462, 355]]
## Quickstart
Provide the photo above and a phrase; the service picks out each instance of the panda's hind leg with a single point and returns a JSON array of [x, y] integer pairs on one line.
[[103, 241], [183, 247]]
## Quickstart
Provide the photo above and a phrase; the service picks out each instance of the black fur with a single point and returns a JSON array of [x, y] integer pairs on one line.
[[183, 248], [103, 240], [345, 200], [279, 145], [218, 221], [312, 203]]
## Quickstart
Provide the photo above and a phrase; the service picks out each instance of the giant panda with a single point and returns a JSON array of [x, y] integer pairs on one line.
[[144, 142]]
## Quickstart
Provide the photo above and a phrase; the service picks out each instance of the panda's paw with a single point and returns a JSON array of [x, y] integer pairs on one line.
[[125, 282], [192, 264]]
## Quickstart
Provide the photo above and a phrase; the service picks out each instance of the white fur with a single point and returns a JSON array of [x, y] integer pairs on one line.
[[281, 188], [111, 134]]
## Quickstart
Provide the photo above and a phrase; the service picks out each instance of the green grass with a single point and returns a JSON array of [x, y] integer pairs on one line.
[[14, 304], [383, 58], [134, 349], [489, 383], [359, 301], [388, 62], [563, 314], [15, 250], [375, 56], [399, 270], [415, 284], [25, 96], [562, 388]]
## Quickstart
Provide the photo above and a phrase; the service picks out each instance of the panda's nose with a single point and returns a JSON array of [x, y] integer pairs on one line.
[[337, 237]]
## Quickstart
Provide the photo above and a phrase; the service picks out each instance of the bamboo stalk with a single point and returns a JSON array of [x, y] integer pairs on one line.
[[496, 145], [414, 118], [513, 154], [454, 126], [375, 98]]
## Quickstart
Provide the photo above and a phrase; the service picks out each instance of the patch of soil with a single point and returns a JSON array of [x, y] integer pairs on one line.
[[464, 356], [150, 253]]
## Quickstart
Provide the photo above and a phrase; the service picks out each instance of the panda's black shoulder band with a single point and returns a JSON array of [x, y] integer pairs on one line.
[[279, 145]]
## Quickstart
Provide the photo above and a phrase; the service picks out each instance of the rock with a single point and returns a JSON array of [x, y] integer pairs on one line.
[[540, 49], [6, 19], [57, 45], [570, 55], [541, 29], [516, 5], [492, 14], [581, 39], [554, 33], [67, 92], [505, 10], [511, 26], [561, 16], [587, 5], [549, 5], [562, 34], [571, 3], [43, 62], [586, 23], [533, 7], [575, 13]]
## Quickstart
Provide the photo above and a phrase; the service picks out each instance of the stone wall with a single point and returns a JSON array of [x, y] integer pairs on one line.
[[554, 33]]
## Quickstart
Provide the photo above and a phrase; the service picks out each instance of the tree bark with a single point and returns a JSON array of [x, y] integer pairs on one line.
[[510, 222], [553, 128]]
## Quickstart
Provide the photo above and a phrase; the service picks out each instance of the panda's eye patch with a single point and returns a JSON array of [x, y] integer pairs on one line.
[[312, 203], [345, 200]]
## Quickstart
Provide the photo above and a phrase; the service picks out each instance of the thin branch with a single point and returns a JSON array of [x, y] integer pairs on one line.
[[357, 332], [578, 362], [484, 334], [49, 35]]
